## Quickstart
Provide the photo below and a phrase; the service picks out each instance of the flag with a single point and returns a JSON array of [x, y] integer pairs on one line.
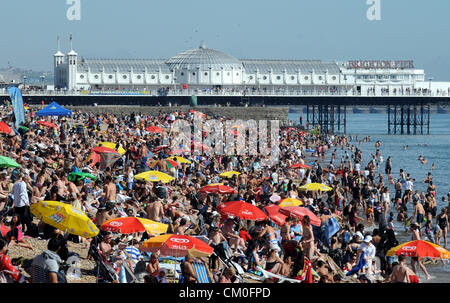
[[17, 102]]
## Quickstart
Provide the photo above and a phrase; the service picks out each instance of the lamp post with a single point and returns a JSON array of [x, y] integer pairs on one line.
[[430, 79], [25, 82], [42, 80]]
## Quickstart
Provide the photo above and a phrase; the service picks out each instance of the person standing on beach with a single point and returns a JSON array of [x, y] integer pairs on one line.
[[442, 222], [400, 271], [307, 237], [416, 236], [21, 202]]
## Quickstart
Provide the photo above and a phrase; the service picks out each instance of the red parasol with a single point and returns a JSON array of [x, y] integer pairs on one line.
[[5, 128], [47, 124], [243, 210], [273, 211], [217, 189], [177, 246], [154, 129], [300, 212], [299, 165]]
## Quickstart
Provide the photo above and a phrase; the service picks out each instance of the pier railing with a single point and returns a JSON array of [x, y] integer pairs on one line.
[[241, 93]]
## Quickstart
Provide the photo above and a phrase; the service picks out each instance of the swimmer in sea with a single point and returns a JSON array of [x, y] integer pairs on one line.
[[432, 166], [422, 159]]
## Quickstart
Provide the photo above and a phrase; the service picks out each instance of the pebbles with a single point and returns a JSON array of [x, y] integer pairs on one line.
[[86, 266]]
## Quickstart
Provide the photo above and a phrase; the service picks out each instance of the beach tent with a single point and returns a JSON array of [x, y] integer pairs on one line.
[[54, 109]]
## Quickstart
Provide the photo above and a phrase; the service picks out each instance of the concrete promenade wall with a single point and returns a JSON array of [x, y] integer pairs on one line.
[[244, 113]]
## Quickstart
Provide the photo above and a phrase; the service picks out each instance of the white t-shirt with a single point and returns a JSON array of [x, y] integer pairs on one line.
[[357, 167], [409, 185], [369, 252]]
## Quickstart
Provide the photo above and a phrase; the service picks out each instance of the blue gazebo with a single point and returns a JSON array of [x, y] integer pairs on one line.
[[54, 109]]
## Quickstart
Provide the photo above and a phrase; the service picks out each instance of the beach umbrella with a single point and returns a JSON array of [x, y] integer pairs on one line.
[[80, 176], [154, 176], [273, 211], [129, 225], [315, 187], [419, 248], [300, 165], [290, 202], [179, 159], [47, 124], [275, 198], [300, 212], [24, 128], [159, 148], [170, 163], [95, 157], [243, 210], [113, 146], [176, 246], [217, 188], [8, 162], [4, 230], [229, 174], [104, 149], [154, 129], [5, 128], [65, 217]]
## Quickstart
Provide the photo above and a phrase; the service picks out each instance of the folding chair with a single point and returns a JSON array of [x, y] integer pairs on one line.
[[202, 272], [281, 279]]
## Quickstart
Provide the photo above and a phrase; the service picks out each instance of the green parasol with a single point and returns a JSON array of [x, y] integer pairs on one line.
[[24, 128], [80, 176], [8, 162]]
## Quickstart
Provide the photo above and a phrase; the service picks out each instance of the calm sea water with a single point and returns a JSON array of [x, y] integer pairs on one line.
[[437, 151]]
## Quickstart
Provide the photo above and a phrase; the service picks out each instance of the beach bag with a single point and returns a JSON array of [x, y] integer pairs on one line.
[[5, 275]]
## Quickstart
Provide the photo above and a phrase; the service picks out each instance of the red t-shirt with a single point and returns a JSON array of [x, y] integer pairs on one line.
[[244, 235]]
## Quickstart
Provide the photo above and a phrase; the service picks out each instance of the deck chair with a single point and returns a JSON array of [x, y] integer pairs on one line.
[[175, 268], [202, 272], [129, 275], [281, 279]]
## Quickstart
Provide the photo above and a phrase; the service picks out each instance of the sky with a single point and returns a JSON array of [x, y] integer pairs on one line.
[[329, 30]]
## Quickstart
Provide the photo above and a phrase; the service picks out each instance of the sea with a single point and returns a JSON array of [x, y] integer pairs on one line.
[[435, 148]]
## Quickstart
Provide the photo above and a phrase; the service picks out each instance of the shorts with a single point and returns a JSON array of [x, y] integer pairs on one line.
[[390, 260], [419, 218], [110, 204]]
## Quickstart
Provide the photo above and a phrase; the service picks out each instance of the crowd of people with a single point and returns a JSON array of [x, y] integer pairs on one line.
[[359, 200]]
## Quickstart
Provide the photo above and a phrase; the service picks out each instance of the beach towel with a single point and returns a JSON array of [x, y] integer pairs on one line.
[[202, 272], [362, 262], [330, 229]]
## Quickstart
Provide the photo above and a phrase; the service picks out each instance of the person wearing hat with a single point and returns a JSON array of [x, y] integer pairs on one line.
[[369, 254]]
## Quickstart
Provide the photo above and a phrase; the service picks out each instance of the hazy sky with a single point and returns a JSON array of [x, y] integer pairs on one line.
[[283, 29]]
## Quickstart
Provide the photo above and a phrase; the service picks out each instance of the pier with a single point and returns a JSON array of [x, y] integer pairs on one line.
[[407, 114]]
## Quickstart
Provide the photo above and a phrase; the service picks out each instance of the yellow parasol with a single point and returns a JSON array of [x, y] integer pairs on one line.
[[65, 217], [229, 174], [154, 176], [315, 187], [180, 159], [113, 146], [290, 202]]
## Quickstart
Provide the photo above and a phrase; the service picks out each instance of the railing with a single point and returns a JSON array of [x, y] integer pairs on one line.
[[231, 92]]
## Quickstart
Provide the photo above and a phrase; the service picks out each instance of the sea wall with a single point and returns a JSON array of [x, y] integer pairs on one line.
[[244, 113]]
